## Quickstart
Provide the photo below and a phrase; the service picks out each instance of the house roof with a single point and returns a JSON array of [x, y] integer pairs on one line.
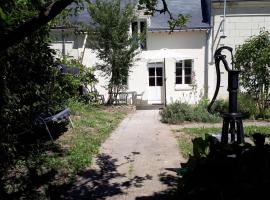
[[194, 8]]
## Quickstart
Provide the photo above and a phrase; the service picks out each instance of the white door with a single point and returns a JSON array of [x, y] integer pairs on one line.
[[155, 84]]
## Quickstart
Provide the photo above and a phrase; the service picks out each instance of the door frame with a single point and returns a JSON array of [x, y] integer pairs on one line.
[[156, 65]]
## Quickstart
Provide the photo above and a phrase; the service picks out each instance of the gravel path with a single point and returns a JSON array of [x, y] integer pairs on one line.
[[137, 162]]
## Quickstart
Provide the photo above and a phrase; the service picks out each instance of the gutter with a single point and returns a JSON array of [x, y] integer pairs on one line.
[[179, 30]]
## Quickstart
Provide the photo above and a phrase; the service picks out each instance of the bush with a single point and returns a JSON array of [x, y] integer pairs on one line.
[[202, 115], [176, 112], [247, 105], [71, 84], [179, 112]]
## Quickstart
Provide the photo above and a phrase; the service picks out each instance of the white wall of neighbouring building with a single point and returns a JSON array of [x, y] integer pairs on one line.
[[243, 20], [188, 43]]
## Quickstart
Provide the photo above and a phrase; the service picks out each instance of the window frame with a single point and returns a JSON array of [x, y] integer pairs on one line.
[[155, 66], [183, 74], [139, 22]]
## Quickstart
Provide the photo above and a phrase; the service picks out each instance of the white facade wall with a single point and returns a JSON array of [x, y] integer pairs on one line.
[[191, 44], [243, 20]]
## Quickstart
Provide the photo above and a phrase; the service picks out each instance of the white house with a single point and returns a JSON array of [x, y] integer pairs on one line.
[[179, 66]]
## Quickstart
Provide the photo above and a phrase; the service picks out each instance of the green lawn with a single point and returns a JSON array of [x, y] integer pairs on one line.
[[186, 135], [92, 125], [54, 164]]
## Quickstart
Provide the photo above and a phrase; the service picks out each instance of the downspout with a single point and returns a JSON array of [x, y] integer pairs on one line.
[[206, 51], [165, 85], [84, 45], [63, 44], [224, 19]]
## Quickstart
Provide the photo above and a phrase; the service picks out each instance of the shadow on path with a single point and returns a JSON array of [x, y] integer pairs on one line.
[[100, 183]]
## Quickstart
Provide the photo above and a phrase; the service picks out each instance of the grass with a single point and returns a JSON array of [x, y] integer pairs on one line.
[[51, 166], [92, 125], [186, 135]]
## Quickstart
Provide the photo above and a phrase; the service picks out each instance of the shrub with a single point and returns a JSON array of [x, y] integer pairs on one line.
[[71, 84], [179, 112], [202, 115], [176, 112], [247, 105]]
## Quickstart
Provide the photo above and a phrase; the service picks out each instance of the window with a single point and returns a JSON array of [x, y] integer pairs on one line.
[[155, 76], [183, 72], [140, 28]]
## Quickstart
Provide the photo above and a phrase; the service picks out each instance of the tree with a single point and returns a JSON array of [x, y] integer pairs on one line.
[[150, 7], [253, 58], [11, 35], [110, 37]]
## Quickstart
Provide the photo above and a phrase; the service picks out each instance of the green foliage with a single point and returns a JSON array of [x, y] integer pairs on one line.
[[110, 37], [178, 112], [69, 84], [246, 105], [202, 115], [194, 140], [253, 57], [26, 90]]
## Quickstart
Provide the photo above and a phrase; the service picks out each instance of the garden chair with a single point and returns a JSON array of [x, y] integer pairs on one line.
[[139, 97], [122, 98], [61, 116]]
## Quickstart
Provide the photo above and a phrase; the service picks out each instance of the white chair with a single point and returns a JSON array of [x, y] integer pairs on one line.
[[139, 97]]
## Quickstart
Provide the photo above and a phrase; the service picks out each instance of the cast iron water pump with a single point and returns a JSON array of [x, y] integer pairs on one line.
[[232, 120]]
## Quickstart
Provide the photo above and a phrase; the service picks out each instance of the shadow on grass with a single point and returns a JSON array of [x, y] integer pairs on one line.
[[99, 183], [22, 175]]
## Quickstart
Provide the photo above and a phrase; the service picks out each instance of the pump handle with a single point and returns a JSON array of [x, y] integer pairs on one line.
[[219, 57]]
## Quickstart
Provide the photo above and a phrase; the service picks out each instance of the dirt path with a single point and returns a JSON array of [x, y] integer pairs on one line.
[[137, 162]]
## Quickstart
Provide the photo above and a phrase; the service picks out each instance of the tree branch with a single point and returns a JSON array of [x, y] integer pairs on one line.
[[18, 34]]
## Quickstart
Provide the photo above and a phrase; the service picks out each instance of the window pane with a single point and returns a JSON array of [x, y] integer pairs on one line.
[[187, 79], [134, 27], [179, 64], [187, 71], [178, 80], [159, 81], [151, 71], [159, 71], [151, 81], [188, 63], [143, 27], [178, 72]]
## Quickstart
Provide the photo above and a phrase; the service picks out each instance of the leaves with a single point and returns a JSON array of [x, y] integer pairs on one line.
[[110, 37], [253, 58]]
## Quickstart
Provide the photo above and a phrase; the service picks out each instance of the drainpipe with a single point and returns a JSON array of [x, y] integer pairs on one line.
[[84, 45], [165, 85], [63, 44], [224, 19], [206, 50]]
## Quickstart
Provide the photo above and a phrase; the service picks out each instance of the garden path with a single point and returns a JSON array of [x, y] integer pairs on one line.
[[137, 162]]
